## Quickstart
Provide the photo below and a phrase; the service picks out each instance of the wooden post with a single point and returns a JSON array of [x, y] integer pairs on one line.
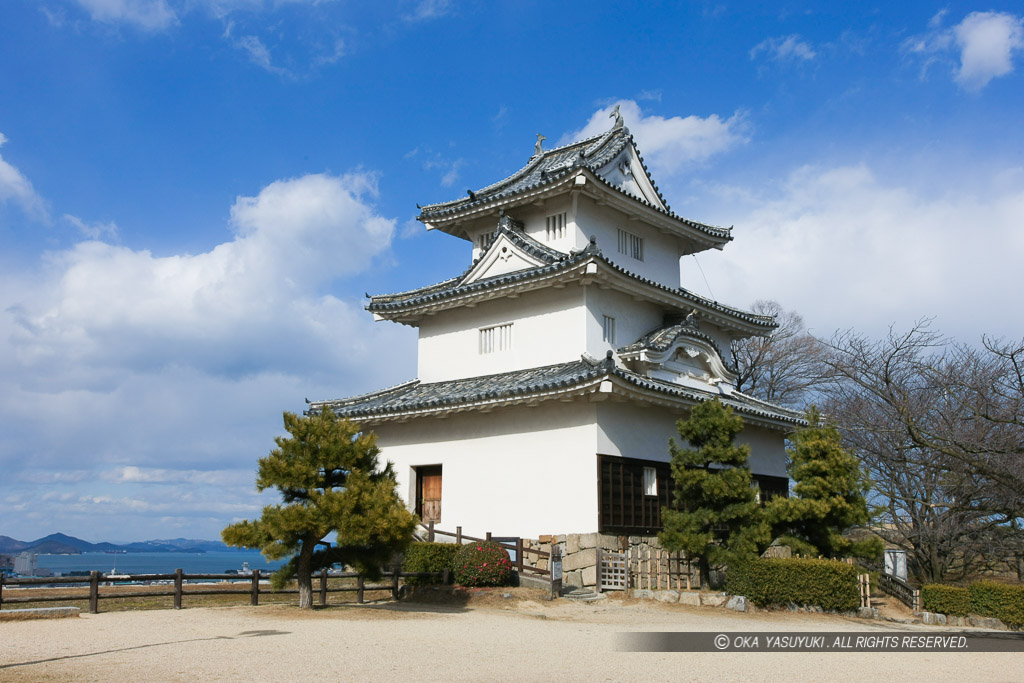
[[1, 591], [177, 588], [254, 592], [395, 572], [519, 555], [488, 535], [458, 535], [94, 592], [659, 569], [444, 576], [323, 587], [430, 531], [360, 584], [555, 567]]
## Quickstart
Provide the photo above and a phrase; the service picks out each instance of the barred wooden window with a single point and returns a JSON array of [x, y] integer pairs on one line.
[[555, 227], [623, 502], [631, 245], [770, 487], [496, 338], [608, 329]]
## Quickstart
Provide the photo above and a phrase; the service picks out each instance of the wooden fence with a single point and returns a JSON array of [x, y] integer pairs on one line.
[[513, 543], [656, 568], [902, 591], [248, 586]]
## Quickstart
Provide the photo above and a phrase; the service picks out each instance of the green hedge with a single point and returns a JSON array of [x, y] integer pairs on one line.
[[945, 599], [781, 581], [999, 600], [428, 557]]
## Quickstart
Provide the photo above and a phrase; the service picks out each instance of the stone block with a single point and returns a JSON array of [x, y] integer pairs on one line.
[[867, 612], [545, 538], [634, 540], [713, 599], [737, 603], [689, 598], [572, 544], [587, 541], [933, 619], [642, 593], [590, 575], [574, 579], [666, 596], [985, 622], [579, 560], [952, 620]]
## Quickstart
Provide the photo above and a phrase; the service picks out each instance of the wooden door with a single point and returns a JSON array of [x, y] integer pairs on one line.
[[428, 494]]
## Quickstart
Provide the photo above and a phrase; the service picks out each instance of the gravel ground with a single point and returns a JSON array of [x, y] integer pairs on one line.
[[527, 640]]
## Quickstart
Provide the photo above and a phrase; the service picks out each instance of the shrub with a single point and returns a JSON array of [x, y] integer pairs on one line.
[[428, 557], [781, 581], [483, 563], [945, 599], [1006, 603]]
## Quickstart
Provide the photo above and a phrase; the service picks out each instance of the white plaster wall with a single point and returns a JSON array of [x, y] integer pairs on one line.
[[515, 472], [634, 431], [633, 319], [661, 252], [549, 326]]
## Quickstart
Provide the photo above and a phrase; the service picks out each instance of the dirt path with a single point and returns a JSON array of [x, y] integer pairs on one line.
[[532, 641]]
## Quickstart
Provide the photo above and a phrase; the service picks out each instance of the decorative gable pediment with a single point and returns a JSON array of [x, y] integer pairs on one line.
[[627, 172], [680, 354], [503, 256]]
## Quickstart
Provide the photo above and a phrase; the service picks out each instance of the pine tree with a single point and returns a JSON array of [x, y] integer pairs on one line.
[[716, 517], [829, 495], [329, 478]]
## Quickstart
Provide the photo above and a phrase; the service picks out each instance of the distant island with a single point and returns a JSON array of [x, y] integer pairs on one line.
[[62, 544]]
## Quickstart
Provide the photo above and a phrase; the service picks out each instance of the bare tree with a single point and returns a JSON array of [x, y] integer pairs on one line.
[[781, 368], [939, 428]]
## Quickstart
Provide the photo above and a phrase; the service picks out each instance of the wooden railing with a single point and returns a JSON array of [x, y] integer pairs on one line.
[[902, 591], [514, 543], [251, 586]]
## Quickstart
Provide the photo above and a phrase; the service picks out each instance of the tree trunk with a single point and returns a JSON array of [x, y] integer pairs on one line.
[[705, 573], [304, 574]]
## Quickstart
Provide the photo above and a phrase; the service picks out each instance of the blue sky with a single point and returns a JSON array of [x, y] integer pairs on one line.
[[196, 194]]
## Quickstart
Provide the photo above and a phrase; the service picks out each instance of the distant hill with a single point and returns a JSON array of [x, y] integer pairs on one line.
[[62, 544]]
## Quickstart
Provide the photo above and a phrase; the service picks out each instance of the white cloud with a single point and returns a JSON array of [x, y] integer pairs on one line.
[[784, 48], [429, 9], [986, 42], [151, 15], [450, 168], [847, 249], [93, 231], [669, 143], [14, 186], [237, 308]]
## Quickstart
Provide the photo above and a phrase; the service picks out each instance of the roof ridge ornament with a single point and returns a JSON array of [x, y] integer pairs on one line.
[[619, 123], [538, 148]]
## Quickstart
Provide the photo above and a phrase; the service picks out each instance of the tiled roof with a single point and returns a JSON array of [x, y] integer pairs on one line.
[[556, 262], [552, 165], [416, 397], [663, 337]]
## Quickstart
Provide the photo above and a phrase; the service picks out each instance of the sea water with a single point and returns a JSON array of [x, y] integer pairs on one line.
[[211, 562]]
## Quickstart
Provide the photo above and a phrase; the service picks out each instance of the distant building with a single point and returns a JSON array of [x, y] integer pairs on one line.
[[25, 564], [553, 370]]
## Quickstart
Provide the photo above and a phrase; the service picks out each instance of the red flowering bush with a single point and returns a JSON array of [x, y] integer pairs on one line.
[[482, 563]]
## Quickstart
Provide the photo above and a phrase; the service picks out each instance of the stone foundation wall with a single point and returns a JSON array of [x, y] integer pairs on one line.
[[579, 558]]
